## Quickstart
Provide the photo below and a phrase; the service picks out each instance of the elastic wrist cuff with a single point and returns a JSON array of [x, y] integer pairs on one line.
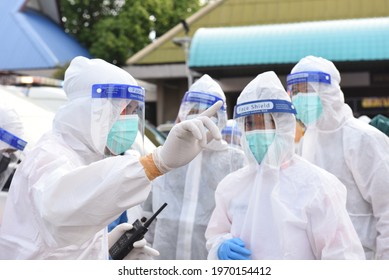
[[158, 162], [150, 168]]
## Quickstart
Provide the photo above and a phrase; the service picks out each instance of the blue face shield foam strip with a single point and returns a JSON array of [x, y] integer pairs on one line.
[[12, 140], [263, 106], [230, 130], [203, 98], [309, 76], [118, 91]]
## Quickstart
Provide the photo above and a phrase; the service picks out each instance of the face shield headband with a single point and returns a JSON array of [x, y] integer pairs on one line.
[[194, 103], [118, 91], [202, 98], [304, 89], [304, 78], [12, 140], [263, 106]]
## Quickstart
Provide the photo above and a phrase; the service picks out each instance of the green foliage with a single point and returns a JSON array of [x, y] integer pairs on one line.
[[80, 16], [115, 30], [178, 10]]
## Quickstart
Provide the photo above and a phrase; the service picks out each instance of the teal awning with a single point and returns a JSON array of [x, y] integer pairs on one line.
[[337, 40]]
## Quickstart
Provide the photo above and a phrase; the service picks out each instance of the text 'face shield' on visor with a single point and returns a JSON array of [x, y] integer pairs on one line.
[[304, 88], [258, 126], [126, 114], [194, 103]]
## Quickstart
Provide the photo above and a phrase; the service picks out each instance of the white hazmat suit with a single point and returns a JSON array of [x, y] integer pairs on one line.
[[356, 153], [66, 191], [284, 207], [189, 190]]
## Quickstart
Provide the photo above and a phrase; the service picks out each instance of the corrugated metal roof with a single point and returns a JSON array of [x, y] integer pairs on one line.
[[32, 41], [224, 13], [338, 40]]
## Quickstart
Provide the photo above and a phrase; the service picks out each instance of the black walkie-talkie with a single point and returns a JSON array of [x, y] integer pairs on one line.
[[125, 243]]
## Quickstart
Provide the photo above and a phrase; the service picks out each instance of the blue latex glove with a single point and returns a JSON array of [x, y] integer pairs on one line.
[[233, 249]]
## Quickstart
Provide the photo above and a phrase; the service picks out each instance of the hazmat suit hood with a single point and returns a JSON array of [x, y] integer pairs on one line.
[[208, 86], [264, 87], [335, 111], [84, 122]]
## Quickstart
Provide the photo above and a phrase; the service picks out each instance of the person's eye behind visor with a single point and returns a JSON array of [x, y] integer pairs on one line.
[[307, 82], [259, 122], [132, 108]]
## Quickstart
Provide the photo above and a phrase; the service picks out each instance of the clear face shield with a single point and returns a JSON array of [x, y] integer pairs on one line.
[[304, 88], [258, 126], [127, 130], [232, 134], [194, 103], [10, 144]]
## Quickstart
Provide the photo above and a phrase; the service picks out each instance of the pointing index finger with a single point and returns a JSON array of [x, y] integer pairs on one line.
[[213, 109]]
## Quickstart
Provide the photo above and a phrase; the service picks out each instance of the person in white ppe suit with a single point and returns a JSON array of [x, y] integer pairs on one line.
[[280, 206], [73, 183], [189, 190], [11, 143], [355, 152]]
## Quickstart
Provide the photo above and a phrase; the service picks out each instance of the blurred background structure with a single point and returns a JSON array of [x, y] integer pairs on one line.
[[231, 40], [235, 40]]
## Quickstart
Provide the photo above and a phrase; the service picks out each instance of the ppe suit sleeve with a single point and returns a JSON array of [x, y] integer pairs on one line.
[[333, 236], [74, 203], [186, 140], [147, 211], [368, 161], [219, 226]]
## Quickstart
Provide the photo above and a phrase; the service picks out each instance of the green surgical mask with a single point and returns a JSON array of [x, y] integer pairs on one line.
[[308, 107], [122, 134], [259, 142]]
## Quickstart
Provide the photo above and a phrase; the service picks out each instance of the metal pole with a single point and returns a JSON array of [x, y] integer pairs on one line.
[[188, 72], [184, 42]]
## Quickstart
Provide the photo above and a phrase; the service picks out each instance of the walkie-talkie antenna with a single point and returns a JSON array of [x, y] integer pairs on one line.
[[149, 221], [123, 246]]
